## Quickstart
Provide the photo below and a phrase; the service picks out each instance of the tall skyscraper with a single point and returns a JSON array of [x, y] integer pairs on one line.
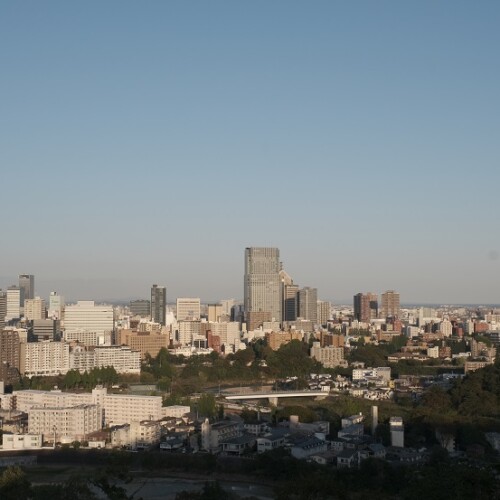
[[140, 308], [34, 309], [13, 303], [308, 304], [3, 309], [365, 307], [56, 306], [159, 304], [262, 281], [390, 304], [27, 286], [289, 297], [323, 312]]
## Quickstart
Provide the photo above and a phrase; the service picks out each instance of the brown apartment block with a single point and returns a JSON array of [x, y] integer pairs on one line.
[[213, 342], [276, 339], [331, 339], [9, 354], [144, 342], [257, 319]]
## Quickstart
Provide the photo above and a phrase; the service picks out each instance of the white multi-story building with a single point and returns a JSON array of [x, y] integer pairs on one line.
[[188, 309], [176, 411], [188, 331], [382, 372], [121, 357], [89, 338], [44, 358], [65, 424], [34, 309], [446, 328], [118, 409], [229, 332], [81, 358], [86, 316], [136, 434], [126, 408], [329, 356]]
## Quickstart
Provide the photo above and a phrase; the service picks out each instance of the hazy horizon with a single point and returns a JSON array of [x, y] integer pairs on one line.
[[152, 142]]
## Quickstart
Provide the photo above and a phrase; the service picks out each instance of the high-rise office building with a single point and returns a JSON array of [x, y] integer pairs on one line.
[[289, 297], [140, 308], [56, 306], [262, 281], [27, 286], [365, 307], [188, 309], [390, 304], [159, 304], [308, 304], [13, 303]]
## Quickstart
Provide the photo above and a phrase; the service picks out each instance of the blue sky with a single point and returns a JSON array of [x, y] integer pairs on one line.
[[151, 142]]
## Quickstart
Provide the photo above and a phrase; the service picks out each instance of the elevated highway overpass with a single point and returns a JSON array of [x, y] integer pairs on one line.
[[274, 396]]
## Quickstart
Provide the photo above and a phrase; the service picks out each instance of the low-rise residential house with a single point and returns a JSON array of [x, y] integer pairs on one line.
[[237, 445], [172, 444], [325, 458], [21, 441], [256, 428], [272, 440], [307, 447], [347, 459]]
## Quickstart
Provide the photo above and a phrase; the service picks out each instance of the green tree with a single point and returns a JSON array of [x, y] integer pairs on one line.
[[206, 405], [14, 485]]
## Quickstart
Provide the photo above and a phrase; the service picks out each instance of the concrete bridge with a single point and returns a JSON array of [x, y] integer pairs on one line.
[[273, 396]]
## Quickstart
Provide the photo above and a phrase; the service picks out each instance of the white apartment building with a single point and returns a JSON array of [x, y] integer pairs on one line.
[[44, 358], [125, 408], [65, 424], [81, 358], [121, 357], [86, 316], [188, 309], [27, 399], [446, 328], [176, 411], [118, 409]]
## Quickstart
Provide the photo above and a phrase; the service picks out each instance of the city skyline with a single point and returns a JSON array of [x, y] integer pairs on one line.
[[358, 138]]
